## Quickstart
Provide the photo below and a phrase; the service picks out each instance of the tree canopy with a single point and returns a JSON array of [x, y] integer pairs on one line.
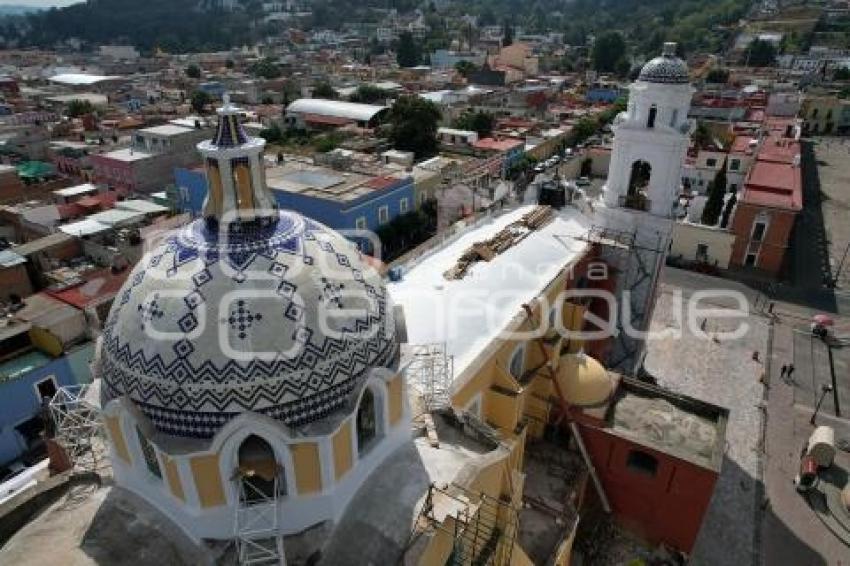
[[324, 90], [480, 122], [193, 71], [609, 52], [265, 68], [199, 101], [761, 53], [77, 108], [413, 125], [717, 75], [369, 94], [408, 53], [716, 192]]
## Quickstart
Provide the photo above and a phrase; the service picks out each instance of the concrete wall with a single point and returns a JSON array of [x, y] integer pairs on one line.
[[688, 237]]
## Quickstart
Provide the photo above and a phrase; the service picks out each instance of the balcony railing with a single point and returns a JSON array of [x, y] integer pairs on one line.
[[635, 201]]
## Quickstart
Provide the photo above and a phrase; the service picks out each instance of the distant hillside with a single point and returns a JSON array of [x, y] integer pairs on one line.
[[192, 25], [16, 10], [173, 25]]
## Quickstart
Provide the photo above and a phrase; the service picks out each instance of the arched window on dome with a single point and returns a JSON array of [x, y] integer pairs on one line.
[[653, 112], [260, 476], [369, 421]]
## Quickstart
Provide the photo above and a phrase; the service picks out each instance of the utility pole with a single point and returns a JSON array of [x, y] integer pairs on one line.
[[834, 386], [840, 264]]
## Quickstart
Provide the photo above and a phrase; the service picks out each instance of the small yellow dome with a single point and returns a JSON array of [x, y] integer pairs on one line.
[[584, 381]]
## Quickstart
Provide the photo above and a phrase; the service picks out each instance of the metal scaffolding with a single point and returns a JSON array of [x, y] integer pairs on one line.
[[483, 528], [638, 266], [75, 413], [430, 371], [257, 536]]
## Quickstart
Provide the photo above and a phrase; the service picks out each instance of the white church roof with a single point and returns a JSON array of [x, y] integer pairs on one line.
[[469, 313]]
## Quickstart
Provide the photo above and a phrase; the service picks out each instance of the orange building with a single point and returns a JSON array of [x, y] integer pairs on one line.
[[771, 199]]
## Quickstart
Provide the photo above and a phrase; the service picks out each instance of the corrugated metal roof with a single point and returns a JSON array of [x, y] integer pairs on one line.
[[8, 258], [42, 244], [336, 108]]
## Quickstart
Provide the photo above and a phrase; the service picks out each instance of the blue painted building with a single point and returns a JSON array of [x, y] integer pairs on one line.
[[342, 201], [24, 380], [607, 94]]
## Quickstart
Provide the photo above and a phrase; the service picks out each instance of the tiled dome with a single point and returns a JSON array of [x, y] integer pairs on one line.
[[283, 318], [666, 69]]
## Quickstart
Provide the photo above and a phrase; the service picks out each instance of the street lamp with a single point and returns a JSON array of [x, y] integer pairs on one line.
[[824, 389]]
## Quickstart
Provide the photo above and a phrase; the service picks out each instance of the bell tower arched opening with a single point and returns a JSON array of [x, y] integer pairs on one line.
[[258, 470], [638, 191]]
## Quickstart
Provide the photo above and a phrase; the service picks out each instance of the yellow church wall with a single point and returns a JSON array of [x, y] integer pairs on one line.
[[113, 425], [173, 478], [396, 403], [308, 467], [215, 192], [440, 546], [242, 178], [207, 480], [519, 557], [501, 409], [343, 454]]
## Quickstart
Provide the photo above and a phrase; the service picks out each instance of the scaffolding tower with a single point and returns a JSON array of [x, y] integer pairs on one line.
[[638, 266], [75, 413], [430, 371], [256, 529], [483, 528]]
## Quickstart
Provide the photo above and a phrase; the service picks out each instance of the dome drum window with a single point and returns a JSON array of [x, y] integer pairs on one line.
[[149, 455]]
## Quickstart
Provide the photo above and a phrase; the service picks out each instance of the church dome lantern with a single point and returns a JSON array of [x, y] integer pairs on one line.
[[665, 69]]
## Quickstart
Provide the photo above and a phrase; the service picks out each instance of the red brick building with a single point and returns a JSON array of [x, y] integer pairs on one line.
[[770, 201]]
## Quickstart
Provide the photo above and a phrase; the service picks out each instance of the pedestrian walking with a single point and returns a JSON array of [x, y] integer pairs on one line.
[[790, 371], [784, 371]]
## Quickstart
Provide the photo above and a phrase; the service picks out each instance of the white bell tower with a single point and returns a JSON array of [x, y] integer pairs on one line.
[[651, 138]]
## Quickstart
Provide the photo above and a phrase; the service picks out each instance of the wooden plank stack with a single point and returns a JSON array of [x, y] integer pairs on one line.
[[506, 238]]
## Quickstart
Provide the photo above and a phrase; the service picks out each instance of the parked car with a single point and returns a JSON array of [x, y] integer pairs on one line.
[[582, 182]]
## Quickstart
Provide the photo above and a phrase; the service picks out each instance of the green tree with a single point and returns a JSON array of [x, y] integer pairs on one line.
[[761, 53], [702, 135], [413, 125], [272, 134], [77, 108], [717, 75], [609, 50], [480, 122], [841, 74], [193, 71], [324, 90], [716, 192], [727, 210], [507, 34], [369, 94], [199, 101], [229, 63], [265, 68], [407, 53], [464, 68]]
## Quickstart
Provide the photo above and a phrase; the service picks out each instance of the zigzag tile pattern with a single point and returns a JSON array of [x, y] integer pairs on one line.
[[188, 384]]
